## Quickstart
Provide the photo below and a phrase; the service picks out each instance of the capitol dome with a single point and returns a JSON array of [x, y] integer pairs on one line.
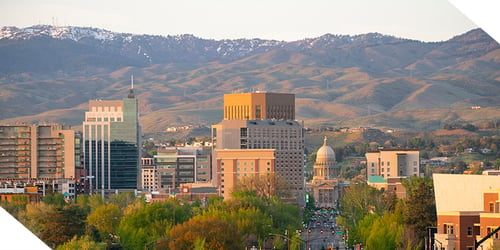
[[325, 155]]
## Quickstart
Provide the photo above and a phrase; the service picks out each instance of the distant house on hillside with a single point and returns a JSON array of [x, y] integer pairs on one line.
[[485, 150]]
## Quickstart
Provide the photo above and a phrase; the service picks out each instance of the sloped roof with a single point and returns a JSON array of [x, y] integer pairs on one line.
[[14, 236]]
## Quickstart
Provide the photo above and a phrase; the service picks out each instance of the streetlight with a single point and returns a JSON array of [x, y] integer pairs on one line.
[[90, 181], [307, 240]]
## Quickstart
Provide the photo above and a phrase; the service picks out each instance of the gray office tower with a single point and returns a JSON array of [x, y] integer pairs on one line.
[[112, 144]]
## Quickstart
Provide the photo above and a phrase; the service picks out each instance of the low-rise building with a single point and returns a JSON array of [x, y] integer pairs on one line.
[[467, 210], [235, 164], [12, 193], [392, 185], [393, 163], [182, 165]]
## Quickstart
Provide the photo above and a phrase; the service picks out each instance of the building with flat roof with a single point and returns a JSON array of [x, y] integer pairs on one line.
[[235, 164], [262, 120], [112, 144], [259, 106], [38, 152], [286, 137], [393, 163], [467, 210], [149, 176], [182, 165]]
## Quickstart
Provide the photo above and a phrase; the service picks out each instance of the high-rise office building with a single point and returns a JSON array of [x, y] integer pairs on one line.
[[37, 152], [112, 144], [264, 121]]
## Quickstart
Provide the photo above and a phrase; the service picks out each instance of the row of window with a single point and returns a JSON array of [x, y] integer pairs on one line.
[[415, 163]]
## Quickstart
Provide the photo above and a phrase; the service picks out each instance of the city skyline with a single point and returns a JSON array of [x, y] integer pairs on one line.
[[277, 20]]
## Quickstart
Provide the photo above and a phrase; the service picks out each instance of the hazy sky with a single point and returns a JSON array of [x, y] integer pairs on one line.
[[289, 20]]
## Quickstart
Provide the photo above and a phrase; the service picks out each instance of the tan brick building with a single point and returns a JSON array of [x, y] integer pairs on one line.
[[37, 152], [235, 164], [393, 163]]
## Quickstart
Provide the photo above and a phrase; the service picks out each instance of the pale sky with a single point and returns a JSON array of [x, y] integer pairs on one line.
[[288, 20]]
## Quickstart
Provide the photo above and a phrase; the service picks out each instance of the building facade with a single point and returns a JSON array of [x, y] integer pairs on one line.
[[149, 177], [111, 144], [270, 125], [467, 210], [259, 106], [182, 165], [37, 152], [235, 164], [393, 163]]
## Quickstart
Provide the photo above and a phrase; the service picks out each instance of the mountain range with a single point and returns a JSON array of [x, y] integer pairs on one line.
[[49, 73]]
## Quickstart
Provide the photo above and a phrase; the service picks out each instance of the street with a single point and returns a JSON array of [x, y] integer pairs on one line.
[[322, 233]]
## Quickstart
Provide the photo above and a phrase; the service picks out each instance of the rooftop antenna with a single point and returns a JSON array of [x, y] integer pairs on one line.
[[131, 94]]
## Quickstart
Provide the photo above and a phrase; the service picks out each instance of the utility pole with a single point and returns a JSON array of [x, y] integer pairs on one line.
[[478, 243]]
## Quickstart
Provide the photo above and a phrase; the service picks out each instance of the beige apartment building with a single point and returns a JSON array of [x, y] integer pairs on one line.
[[235, 164], [149, 178], [37, 152], [393, 163]]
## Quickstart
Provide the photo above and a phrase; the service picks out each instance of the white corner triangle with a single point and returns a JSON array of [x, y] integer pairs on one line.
[[484, 13], [15, 236]]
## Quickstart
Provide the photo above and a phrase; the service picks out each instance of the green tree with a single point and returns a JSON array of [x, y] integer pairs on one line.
[[16, 205], [81, 243], [496, 164], [122, 200], [55, 225], [218, 234], [146, 223], [357, 202], [56, 199], [106, 219], [420, 206]]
